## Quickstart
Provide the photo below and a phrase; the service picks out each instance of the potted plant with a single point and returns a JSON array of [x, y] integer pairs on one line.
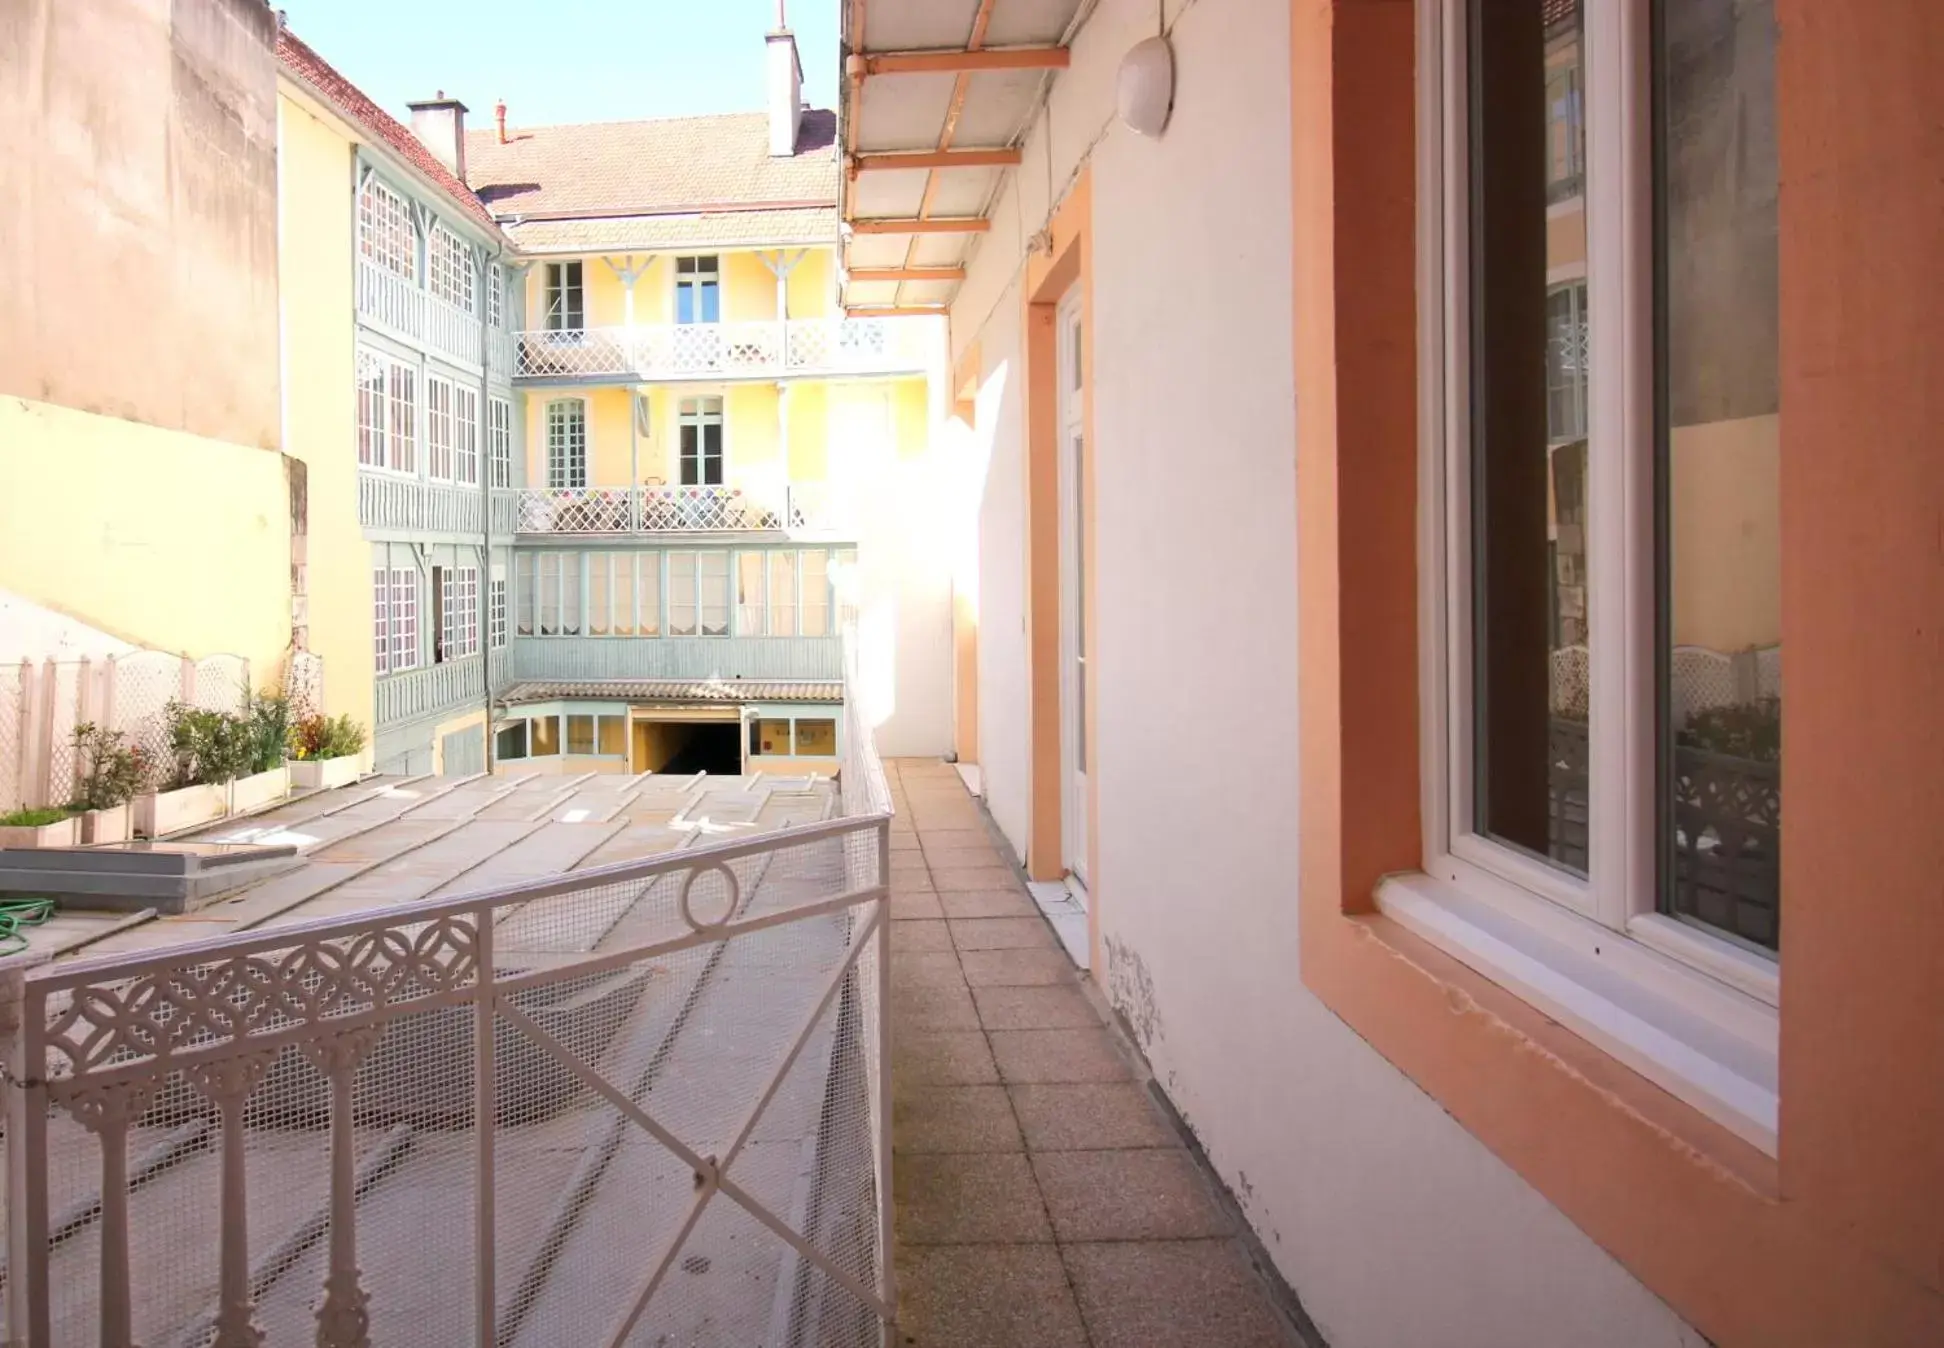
[[210, 749], [326, 751], [111, 773], [53, 826], [264, 776]]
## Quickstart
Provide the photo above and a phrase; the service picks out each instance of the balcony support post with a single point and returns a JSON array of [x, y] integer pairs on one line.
[[627, 273], [634, 461]]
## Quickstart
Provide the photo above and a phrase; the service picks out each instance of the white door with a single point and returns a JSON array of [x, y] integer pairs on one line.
[[1073, 589]]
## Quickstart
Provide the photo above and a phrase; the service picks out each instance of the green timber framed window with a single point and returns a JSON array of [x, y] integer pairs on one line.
[[499, 439], [567, 443], [624, 594], [456, 625], [438, 428], [387, 411], [395, 619], [698, 593], [386, 234], [465, 435], [1599, 498], [783, 592], [449, 268]]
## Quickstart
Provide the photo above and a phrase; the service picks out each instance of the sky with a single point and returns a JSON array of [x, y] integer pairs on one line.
[[559, 61]]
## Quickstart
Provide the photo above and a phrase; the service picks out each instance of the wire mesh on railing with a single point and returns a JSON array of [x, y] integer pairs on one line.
[[633, 1105]]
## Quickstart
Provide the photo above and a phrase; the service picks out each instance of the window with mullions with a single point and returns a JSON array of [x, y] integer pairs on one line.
[[567, 443], [700, 430], [449, 268], [623, 594], [566, 299], [1617, 757], [385, 231], [495, 296], [465, 435], [401, 411], [698, 594], [698, 290], [438, 428], [499, 440], [496, 613]]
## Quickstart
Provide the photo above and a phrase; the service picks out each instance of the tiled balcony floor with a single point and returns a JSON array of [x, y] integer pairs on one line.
[[1043, 1200]]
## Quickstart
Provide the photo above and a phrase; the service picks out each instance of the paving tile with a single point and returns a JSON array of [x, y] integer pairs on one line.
[[988, 903], [962, 858], [950, 839], [932, 1006], [912, 882], [927, 968], [1127, 1195], [1173, 1294], [1027, 1056], [958, 879], [906, 905], [1017, 968], [1002, 933], [904, 840], [954, 1118], [909, 865], [981, 1296], [967, 1199], [920, 935], [1073, 1116], [940, 1058], [1048, 1008]]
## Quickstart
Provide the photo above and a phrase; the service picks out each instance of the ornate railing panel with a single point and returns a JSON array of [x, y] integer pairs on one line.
[[538, 1114], [725, 350], [661, 510]]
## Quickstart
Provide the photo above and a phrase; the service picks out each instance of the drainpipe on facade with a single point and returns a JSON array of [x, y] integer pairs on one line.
[[483, 448]]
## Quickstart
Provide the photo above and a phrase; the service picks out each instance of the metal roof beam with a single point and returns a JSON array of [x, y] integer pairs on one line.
[[861, 64], [935, 159], [860, 274], [935, 225]]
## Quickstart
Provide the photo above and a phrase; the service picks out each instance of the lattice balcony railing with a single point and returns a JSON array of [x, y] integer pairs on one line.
[[725, 350], [665, 510]]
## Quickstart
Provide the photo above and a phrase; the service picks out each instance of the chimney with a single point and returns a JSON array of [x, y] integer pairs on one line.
[[499, 119], [785, 87], [440, 122]]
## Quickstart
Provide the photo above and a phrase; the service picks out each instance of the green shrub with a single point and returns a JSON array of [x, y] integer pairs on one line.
[[316, 736], [52, 814], [1750, 730], [269, 729], [111, 771], [210, 747]]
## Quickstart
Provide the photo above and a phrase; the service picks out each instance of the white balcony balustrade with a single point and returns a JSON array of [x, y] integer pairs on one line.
[[798, 508], [673, 351], [405, 309], [390, 501]]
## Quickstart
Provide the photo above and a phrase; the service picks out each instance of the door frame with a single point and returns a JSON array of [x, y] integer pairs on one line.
[[1070, 441]]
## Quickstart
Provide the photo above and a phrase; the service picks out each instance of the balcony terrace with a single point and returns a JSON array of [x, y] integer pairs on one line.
[[795, 509], [718, 352], [400, 306]]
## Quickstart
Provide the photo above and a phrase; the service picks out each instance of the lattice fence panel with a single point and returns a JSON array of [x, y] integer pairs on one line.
[[145, 683], [65, 709], [222, 683], [13, 691]]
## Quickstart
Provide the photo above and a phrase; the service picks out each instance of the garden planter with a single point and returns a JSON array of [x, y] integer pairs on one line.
[[321, 774], [60, 833], [253, 792], [163, 812], [105, 826]]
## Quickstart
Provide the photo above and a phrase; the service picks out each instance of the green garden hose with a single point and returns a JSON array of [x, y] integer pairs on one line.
[[16, 916]]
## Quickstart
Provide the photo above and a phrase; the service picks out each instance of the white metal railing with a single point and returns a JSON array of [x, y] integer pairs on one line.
[[389, 501], [607, 510], [534, 1115], [725, 350]]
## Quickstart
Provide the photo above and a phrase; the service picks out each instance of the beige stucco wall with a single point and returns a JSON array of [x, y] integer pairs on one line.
[[139, 257], [1725, 510], [1395, 1225]]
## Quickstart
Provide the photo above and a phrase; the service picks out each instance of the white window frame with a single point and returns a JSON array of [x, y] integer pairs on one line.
[[565, 299], [496, 613], [459, 612], [465, 435], [566, 420], [692, 560], [705, 269], [499, 439], [702, 411], [381, 619], [404, 624], [449, 268], [382, 445], [438, 428], [386, 233], [1691, 1011]]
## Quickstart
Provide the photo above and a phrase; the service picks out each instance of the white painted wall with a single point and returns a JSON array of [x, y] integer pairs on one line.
[[1394, 1225]]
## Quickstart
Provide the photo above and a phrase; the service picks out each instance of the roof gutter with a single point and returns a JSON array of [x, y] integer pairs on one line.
[[654, 212]]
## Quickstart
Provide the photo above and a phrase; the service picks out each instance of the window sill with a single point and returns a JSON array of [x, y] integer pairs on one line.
[[1707, 1045]]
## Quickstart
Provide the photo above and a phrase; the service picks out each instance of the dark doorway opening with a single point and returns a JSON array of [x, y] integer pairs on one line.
[[682, 747]]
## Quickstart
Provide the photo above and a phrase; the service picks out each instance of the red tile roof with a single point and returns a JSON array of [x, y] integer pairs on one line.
[[674, 164], [298, 58]]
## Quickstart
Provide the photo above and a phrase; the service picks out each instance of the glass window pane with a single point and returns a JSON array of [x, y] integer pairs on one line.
[[816, 737], [713, 582], [816, 592], [681, 594], [782, 594], [648, 574], [544, 736], [773, 736], [1528, 485], [749, 594], [580, 734], [599, 601], [511, 742], [614, 736], [1721, 652], [570, 594], [624, 592]]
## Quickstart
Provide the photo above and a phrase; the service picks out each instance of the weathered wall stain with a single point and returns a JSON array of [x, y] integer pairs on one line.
[[1131, 990], [139, 248]]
